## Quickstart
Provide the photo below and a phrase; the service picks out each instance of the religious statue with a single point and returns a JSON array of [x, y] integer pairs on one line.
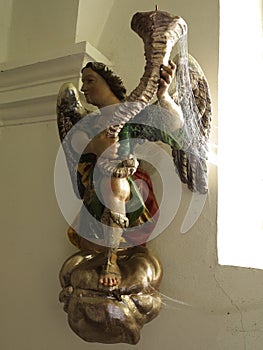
[[110, 286]]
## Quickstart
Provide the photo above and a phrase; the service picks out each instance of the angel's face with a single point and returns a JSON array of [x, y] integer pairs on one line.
[[96, 89]]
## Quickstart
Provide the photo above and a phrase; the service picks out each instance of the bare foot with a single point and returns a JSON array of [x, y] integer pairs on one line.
[[110, 275]]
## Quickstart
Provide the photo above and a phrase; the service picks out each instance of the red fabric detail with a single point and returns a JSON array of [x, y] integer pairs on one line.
[[150, 203]]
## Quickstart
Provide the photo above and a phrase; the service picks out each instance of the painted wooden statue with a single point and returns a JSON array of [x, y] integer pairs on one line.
[[110, 286]]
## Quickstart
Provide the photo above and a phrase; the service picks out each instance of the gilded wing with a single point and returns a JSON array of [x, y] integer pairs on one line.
[[69, 112], [191, 160]]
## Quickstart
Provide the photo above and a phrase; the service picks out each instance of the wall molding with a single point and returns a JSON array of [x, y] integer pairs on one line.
[[28, 91]]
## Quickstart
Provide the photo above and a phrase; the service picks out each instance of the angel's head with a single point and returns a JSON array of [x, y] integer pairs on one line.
[[101, 86]]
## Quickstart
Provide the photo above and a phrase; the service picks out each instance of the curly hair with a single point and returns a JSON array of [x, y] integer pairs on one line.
[[113, 80]]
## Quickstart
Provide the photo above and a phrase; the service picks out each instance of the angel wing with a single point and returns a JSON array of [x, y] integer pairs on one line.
[[69, 112], [191, 160], [190, 144]]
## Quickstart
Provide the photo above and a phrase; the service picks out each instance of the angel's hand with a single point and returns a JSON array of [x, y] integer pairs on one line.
[[167, 74], [103, 145]]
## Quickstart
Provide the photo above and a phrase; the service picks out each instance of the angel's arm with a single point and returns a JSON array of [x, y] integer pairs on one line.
[[89, 139], [80, 141], [102, 145], [167, 75], [162, 121]]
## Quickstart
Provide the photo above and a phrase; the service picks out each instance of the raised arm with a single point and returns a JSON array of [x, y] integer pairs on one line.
[[167, 75]]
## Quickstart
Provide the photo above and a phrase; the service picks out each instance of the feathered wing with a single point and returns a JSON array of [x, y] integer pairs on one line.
[[69, 112], [191, 160]]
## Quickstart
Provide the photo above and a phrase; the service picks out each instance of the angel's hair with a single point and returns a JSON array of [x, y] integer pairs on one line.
[[113, 80]]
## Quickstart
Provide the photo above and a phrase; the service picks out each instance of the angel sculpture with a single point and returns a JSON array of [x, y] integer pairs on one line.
[[113, 274]]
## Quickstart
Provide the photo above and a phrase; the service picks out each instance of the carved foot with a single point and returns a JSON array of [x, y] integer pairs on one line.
[[110, 276]]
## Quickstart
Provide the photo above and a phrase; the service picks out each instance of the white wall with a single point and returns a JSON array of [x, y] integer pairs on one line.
[[5, 23], [92, 16], [225, 303], [39, 28]]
